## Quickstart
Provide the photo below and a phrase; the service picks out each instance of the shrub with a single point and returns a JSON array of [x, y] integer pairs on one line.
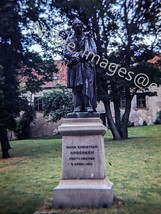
[[158, 120], [57, 104], [144, 123], [131, 124], [23, 123]]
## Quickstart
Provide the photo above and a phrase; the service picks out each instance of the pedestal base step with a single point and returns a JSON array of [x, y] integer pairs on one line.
[[83, 193]]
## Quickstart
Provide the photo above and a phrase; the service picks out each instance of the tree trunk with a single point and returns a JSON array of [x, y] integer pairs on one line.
[[4, 142], [117, 114], [115, 132], [125, 118]]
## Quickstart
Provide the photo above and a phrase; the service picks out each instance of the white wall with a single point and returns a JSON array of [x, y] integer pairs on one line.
[[139, 115]]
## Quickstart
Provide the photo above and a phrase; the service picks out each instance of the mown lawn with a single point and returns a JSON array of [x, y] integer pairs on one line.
[[134, 166]]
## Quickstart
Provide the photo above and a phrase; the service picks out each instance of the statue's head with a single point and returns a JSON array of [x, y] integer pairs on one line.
[[77, 25]]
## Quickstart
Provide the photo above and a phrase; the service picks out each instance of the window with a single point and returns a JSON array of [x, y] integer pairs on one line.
[[38, 103], [141, 100], [122, 102]]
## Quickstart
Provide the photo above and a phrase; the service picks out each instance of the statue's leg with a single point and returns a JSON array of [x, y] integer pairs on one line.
[[77, 97], [87, 104]]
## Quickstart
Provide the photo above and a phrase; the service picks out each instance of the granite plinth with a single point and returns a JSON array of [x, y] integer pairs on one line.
[[81, 126], [94, 193]]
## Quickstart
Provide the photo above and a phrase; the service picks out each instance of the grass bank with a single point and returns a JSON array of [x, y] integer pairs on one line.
[[134, 166]]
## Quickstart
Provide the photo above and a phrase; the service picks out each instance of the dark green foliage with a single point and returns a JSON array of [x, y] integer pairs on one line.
[[16, 61], [36, 71], [2, 81], [127, 33], [27, 116], [10, 58], [57, 104], [158, 120], [131, 124], [144, 123], [38, 24]]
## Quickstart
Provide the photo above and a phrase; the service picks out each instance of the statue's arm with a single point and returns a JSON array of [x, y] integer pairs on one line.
[[73, 57], [70, 53]]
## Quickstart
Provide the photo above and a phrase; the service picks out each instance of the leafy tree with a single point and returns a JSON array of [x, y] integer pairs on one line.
[[27, 116], [121, 29], [139, 21], [16, 59], [57, 104], [10, 52], [35, 72], [36, 23]]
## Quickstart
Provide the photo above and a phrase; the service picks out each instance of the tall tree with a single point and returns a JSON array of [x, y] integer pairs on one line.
[[16, 59], [10, 52], [139, 22], [37, 21], [121, 29]]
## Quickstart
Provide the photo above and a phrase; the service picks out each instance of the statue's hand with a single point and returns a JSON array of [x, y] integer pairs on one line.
[[72, 62]]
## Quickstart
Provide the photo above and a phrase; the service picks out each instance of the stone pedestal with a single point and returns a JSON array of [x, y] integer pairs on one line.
[[84, 182]]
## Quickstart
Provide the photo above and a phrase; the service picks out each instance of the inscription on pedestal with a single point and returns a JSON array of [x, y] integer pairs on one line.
[[82, 155], [83, 158]]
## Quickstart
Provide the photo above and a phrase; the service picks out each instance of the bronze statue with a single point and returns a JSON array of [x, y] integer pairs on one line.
[[81, 70]]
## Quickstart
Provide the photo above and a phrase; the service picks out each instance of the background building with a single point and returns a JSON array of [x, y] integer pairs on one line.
[[144, 109]]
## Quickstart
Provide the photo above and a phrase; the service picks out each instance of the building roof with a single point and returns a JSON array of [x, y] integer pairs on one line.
[[59, 78], [155, 59]]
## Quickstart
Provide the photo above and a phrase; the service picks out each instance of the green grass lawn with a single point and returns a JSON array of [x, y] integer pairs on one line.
[[134, 166]]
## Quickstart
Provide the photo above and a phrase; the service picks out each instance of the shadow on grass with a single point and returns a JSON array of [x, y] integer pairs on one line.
[[28, 204], [58, 136], [118, 205], [129, 139], [36, 147], [143, 206]]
